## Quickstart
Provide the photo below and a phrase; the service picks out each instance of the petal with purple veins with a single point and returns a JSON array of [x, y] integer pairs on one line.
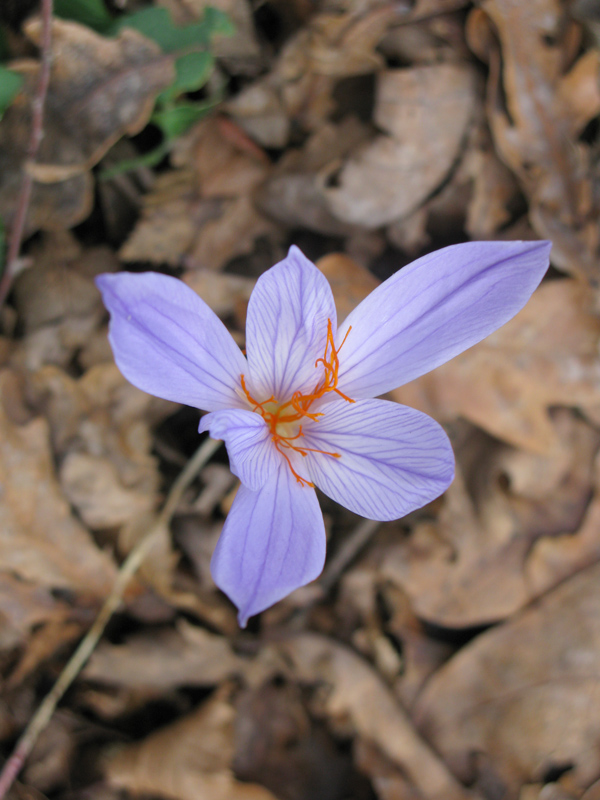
[[252, 454], [168, 342], [273, 542], [433, 309], [392, 459], [286, 328]]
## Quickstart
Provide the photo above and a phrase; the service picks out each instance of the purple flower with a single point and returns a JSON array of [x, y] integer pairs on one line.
[[298, 411]]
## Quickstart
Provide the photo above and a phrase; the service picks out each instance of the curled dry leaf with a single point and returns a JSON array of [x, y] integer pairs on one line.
[[100, 89], [546, 356], [188, 760], [357, 692], [394, 174], [41, 541], [537, 129], [523, 696], [186, 656]]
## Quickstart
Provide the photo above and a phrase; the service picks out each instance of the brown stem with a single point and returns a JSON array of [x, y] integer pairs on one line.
[[37, 133]]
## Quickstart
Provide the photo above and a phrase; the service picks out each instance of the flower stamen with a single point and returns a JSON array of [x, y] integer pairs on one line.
[[298, 407]]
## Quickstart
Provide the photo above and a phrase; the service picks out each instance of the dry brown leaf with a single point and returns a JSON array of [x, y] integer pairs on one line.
[[494, 192], [100, 427], [188, 760], [523, 697], [339, 46], [93, 486], [350, 283], [58, 305], [425, 112], [293, 193], [41, 541], [488, 555], [232, 234], [24, 606], [226, 294], [186, 656], [537, 131], [357, 692], [203, 212], [298, 91], [546, 356], [409, 11], [100, 89], [279, 745]]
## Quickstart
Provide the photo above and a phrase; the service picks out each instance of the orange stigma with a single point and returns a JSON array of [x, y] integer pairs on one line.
[[283, 418]]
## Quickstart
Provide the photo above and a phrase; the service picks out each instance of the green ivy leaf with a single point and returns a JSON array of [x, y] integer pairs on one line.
[[10, 83], [192, 72], [91, 13], [156, 24], [175, 121]]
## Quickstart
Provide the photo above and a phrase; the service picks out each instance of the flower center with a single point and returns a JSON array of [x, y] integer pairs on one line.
[[285, 419]]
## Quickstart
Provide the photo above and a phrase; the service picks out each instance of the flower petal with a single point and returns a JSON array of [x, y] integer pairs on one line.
[[393, 459], [433, 309], [286, 328], [273, 542], [252, 455], [169, 343]]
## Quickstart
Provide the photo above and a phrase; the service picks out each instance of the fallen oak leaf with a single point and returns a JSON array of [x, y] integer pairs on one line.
[[523, 716]]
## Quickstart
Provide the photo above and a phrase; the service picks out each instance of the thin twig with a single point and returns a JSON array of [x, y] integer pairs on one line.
[[359, 537], [37, 134], [88, 644]]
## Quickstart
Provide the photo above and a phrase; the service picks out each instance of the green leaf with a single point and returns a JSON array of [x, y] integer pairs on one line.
[[175, 121], [218, 22], [10, 83], [192, 72], [156, 24], [91, 13]]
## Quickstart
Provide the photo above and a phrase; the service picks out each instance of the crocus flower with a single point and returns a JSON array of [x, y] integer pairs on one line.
[[298, 410]]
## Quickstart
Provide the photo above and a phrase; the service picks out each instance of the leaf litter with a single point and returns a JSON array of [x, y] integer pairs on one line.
[[457, 654]]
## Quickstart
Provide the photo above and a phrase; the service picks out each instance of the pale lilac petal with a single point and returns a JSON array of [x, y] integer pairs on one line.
[[393, 459], [252, 454], [435, 308], [273, 542], [286, 328], [169, 343]]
